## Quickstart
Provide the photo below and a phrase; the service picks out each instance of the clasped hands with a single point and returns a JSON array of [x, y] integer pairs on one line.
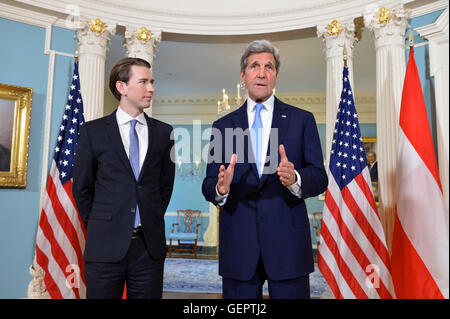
[[285, 171]]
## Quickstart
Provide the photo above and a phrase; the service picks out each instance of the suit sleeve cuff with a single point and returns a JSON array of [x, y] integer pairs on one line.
[[220, 199], [296, 188]]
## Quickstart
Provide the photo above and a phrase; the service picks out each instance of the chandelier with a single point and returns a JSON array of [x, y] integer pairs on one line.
[[224, 107]]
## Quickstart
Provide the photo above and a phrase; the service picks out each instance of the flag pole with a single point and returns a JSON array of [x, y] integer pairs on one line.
[[411, 39], [345, 55]]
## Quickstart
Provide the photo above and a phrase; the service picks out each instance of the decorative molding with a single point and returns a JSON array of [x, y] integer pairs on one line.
[[138, 48], [94, 42], [334, 42], [183, 109], [27, 16], [216, 18], [299, 16], [391, 33], [427, 8]]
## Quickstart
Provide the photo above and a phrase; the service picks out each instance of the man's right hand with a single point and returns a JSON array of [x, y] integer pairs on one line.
[[226, 176]]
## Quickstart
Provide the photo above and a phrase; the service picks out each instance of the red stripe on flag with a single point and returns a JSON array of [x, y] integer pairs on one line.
[[367, 191], [329, 276], [57, 251], [50, 284], [366, 228], [68, 188], [346, 233], [378, 246], [411, 278], [414, 118], [66, 224], [352, 282]]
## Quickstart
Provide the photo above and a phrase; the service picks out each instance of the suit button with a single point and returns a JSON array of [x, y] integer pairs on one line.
[[139, 187], [133, 210]]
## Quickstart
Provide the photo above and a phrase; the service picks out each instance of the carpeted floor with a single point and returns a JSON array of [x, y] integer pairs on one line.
[[201, 275]]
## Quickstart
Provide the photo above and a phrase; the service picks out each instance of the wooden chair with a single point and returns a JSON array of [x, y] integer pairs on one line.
[[188, 223]]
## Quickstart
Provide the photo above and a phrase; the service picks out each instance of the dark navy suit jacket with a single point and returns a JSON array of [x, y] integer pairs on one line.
[[261, 216], [106, 191]]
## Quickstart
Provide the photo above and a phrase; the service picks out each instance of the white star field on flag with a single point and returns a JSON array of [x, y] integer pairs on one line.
[[348, 157], [69, 130]]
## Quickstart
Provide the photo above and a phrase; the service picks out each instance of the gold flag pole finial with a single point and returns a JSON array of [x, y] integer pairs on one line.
[[345, 55], [76, 56], [411, 39]]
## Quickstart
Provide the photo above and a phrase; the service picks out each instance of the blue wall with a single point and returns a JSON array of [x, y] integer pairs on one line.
[[187, 191], [24, 63]]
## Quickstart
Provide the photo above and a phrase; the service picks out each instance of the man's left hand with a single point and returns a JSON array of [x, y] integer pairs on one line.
[[286, 169]]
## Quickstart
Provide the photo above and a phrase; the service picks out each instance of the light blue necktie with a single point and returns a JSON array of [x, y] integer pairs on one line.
[[134, 161], [257, 137]]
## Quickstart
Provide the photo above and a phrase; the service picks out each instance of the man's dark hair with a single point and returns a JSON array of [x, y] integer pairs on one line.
[[121, 72]]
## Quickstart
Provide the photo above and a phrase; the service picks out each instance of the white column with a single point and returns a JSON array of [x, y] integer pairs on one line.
[[389, 34], [334, 36], [437, 35], [141, 43], [211, 236], [93, 39]]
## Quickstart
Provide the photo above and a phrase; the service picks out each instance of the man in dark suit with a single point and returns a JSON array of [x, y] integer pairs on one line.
[[264, 227], [122, 182], [373, 166]]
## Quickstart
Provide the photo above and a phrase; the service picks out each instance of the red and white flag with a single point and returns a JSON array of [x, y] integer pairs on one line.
[[353, 257], [61, 235], [420, 242]]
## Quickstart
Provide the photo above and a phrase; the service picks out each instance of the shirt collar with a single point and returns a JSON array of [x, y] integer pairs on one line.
[[123, 117], [268, 104]]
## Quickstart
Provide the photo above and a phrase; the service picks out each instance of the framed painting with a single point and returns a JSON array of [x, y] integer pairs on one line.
[[15, 118], [370, 144], [370, 147]]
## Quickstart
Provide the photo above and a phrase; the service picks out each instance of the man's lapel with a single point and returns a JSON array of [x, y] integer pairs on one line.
[[151, 142], [116, 141]]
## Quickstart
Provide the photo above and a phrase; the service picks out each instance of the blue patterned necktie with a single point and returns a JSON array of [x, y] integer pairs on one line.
[[257, 137], [134, 161]]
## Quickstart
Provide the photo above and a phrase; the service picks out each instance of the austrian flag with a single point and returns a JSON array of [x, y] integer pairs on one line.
[[420, 241]]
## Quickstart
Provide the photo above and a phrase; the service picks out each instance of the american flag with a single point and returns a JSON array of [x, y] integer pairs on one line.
[[61, 235], [353, 256]]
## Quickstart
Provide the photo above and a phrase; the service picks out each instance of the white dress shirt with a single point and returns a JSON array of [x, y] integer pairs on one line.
[[124, 122], [266, 119]]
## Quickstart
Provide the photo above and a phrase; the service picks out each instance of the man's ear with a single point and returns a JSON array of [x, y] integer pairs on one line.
[[121, 87]]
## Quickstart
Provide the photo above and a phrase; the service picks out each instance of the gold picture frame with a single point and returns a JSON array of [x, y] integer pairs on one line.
[[15, 119], [370, 144]]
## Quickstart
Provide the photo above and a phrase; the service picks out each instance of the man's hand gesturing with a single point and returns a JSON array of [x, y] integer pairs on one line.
[[286, 169], [226, 176]]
